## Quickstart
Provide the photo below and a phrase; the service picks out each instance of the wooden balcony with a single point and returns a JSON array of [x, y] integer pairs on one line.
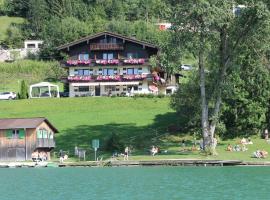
[[45, 143], [106, 46]]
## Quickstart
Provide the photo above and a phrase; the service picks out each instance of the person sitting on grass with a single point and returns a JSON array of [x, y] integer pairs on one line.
[[237, 148], [154, 150], [264, 153], [244, 148], [260, 154], [257, 154], [229, 148]]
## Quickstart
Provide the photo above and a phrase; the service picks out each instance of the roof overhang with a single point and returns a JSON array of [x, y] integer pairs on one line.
[[90, 37]]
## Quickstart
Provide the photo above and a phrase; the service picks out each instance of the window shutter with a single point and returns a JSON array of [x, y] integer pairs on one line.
[[21, 134], [9, 134]]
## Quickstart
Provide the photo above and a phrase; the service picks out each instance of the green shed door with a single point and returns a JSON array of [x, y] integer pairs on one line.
[[21, 134], [9, 134]]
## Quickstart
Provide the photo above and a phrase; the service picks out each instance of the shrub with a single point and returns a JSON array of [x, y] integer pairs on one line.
[[23, 91]]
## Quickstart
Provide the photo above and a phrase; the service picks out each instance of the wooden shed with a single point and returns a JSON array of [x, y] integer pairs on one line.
[[20, 137]]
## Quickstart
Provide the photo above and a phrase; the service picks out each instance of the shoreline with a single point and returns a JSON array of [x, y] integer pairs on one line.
[[137, 163]]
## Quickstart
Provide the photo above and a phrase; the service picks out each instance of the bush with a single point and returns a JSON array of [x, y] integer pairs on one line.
[[23, 91], [146, 95]]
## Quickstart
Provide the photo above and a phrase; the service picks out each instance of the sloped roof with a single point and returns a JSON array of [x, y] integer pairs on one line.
[[84, 39], [41, 84], [16, 123]]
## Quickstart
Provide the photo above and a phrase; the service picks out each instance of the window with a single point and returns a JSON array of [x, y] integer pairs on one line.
[[42, 133], [83, 88], [108, 40], [112, 40], [135, 87], [109, 88], [84, 56], [15, 134], [102, 41], [130, 71], [99, 71], [132, 55], [31, 46], [108, 71], [107, 56], [124, 71], [83, 72], [139, 70], [91, 72]]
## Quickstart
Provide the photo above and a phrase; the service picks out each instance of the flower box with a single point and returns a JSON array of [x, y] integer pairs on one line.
[[79, 78], [134, 77], [108, 78], [134, 61], [78, 62], [108, 62]]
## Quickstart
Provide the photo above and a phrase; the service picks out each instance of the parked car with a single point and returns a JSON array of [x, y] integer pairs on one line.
[[8, 95], [186, 67], [64, 94]]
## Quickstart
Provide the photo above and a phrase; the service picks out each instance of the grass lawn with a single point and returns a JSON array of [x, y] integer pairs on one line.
[[140, 122], [5, 21]]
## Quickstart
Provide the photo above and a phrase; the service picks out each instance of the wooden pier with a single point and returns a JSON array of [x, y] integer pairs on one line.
[[129, 163], [113, 163]]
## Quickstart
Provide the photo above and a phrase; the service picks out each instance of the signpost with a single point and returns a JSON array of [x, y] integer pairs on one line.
[[95, 145]]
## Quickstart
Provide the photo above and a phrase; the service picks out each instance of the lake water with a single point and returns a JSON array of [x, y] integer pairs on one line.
[[135, 183]]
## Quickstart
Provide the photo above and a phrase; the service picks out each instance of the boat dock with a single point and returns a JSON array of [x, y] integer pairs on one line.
[[144, 163]]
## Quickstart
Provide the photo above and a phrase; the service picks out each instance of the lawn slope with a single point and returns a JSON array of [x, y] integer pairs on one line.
[[81, 119], [5, 22]]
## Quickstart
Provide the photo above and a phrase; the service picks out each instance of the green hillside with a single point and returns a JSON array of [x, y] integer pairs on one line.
[[140, 122], [11, 74], [81, 119], [5, 22]]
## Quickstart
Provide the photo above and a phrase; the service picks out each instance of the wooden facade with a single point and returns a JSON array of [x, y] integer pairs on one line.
[[107, 64], [19, 138]]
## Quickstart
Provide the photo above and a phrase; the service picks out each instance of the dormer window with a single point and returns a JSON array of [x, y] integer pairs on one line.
[[83, 56], [109, 40]]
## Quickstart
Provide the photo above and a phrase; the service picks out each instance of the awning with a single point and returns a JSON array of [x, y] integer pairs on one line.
[[106, 83]]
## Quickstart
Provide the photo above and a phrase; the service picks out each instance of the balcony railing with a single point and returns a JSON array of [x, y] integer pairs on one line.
[[98, 62], [134, 61], [115, 78], [45, 142], [108, 62], [106, 46]]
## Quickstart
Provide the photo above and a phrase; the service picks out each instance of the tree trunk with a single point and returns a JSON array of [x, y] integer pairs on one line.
[[224, 60], [204, 103]]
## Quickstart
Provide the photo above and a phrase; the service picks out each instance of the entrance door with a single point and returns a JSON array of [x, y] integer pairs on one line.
[[97, 90], [16, 154]]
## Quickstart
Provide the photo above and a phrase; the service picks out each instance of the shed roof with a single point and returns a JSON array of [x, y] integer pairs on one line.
[[87, 38], [16, 123]]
